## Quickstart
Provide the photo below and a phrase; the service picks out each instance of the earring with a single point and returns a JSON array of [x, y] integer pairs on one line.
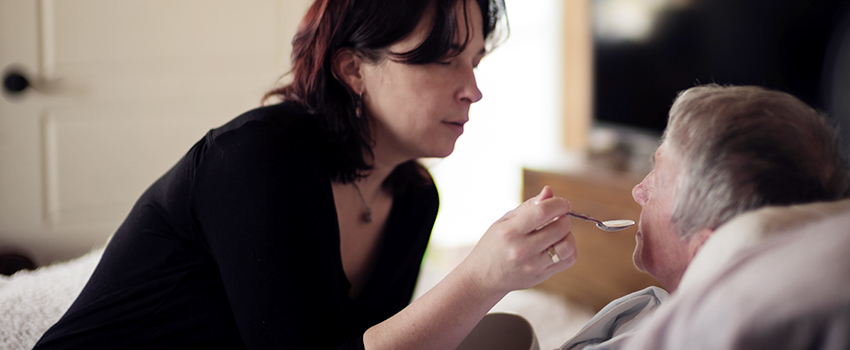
[[358, 109]]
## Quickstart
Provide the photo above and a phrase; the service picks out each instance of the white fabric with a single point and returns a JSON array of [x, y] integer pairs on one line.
[[32, 301], [778, 278], [617, 321], [751, 228]]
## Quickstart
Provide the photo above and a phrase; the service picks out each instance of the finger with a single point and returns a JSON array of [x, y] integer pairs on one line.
[[551, 233], [535, 216], [551, 256], [547, 223], [545, 193], [563, 253], [565, 248]]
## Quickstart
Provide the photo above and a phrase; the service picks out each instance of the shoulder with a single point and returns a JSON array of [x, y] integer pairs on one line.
[[415, 192], [275, 143], [620, 320], [282, 118], [411, 177], [281, 131], [424, 185]]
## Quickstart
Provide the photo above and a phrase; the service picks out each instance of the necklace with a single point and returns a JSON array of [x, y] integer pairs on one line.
[[366, 216]]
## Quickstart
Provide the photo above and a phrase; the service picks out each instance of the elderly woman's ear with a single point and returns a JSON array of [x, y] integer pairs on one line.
[[696, 241]]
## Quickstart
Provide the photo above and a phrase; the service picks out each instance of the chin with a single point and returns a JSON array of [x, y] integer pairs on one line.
[[636, 259], [443, 152], [446, 154]]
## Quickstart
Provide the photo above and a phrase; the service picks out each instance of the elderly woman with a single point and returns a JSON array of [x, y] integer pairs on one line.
[[726, 150]]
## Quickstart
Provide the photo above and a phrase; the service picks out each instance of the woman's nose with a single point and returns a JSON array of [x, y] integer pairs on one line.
[[469, 91]]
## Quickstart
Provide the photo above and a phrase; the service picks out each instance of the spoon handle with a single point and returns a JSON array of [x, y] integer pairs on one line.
[[575, 215], [583, 217]]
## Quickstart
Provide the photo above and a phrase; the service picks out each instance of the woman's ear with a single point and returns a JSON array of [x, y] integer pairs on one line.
[[346, 68]]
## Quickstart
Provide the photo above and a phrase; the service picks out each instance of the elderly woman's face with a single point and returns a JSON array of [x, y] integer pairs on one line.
[[420, 110], [659, 250]]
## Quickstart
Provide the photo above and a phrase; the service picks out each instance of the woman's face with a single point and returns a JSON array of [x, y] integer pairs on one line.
[[420, 110]]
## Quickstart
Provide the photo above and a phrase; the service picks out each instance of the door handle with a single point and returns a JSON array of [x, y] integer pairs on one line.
[[14, 83]]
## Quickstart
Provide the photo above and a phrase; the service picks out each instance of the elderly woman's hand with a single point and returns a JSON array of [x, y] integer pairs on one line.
[[514, 252]]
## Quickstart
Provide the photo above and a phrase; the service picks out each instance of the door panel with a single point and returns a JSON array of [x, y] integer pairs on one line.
[[122, 90]]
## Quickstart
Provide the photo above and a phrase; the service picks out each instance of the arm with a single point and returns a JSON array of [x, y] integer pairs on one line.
[[511, 255]]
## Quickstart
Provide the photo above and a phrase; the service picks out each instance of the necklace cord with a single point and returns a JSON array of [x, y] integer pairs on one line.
[[366, 216]]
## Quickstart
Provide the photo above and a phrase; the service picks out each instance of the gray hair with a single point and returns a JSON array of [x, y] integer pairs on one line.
[[745, 147]]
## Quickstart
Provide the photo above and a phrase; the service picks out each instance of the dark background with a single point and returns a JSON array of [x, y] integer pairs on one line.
[[787, 45]]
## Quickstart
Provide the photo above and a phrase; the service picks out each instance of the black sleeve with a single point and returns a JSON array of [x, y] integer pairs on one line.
[[264, 206]]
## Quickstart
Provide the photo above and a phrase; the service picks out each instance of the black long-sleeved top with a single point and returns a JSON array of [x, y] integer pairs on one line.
[[237, 246]]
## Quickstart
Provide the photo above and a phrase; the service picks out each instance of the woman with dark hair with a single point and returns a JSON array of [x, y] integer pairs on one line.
[[302, 224]]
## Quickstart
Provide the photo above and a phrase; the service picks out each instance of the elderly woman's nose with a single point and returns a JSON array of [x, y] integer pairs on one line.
[[640, 191]]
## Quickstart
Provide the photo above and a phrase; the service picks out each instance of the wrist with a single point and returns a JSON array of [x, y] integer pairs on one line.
[[479, 281]]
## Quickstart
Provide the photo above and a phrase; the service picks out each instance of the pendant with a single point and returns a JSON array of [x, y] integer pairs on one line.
[[367, 216]]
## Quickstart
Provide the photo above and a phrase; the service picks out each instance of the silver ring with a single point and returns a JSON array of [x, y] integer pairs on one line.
[[553, 255]]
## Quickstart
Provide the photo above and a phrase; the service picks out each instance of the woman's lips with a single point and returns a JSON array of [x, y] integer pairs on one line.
[[456, 126]]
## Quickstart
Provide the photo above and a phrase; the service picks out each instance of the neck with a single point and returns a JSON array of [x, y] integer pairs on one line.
[[383, 164], [371, 185]]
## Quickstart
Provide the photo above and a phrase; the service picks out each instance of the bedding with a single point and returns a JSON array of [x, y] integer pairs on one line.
[[33, 300], [776, 278]]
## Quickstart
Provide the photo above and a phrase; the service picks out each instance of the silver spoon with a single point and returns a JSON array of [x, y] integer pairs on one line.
[[608, 225]]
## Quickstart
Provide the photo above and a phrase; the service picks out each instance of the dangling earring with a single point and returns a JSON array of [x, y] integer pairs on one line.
[[358, 108]]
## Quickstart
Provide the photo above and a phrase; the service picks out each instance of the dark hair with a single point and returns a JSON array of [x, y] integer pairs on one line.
[[368, 27], [746, 147]]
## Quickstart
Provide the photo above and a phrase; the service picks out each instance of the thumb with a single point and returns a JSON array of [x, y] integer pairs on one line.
[[545, 193], [537, 211]]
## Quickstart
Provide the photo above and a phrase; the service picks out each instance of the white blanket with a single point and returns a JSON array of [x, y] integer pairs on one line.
[[32, 301]]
